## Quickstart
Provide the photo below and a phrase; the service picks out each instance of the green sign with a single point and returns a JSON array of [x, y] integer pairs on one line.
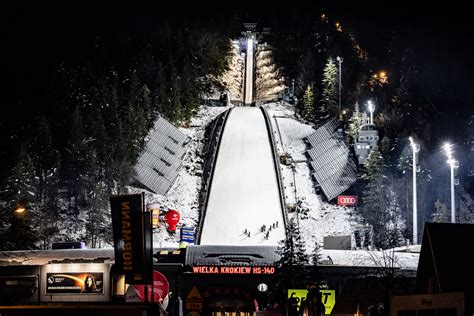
[[328, 297]]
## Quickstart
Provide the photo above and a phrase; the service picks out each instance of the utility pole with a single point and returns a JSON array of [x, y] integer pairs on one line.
[[340, 60], [415, 149], [453, 164]]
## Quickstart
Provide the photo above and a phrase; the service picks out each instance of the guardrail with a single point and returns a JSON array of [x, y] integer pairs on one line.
[[276, 164], [213, 142]]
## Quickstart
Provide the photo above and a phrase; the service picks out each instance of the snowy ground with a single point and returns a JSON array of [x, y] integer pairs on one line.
[[322, 219], [233, 78], [183, 195], [244, 193], [269, 82]]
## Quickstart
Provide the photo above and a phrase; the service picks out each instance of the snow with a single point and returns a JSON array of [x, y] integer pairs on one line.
[[370, 258], [321, 219], [233, 78], [184, 193], [244, 192], [269, 83]]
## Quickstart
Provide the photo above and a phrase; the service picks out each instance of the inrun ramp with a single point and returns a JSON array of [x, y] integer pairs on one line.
[[244, 193]]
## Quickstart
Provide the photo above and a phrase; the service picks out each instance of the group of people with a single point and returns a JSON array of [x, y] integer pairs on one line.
[[312, 302], [263, 229]]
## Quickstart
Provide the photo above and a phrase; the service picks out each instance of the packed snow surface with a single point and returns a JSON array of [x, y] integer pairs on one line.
[[244, 194], [318, 219]]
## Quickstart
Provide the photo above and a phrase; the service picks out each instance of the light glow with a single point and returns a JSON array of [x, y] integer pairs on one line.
[[20, 210]]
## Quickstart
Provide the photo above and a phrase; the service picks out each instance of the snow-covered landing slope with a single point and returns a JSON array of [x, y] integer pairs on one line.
[[244, 192], [319, 218]]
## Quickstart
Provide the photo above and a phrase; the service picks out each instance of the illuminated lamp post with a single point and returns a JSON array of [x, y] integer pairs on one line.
[[415, 149], [340, 60], [453, 164], [19, 208], [371, 107]]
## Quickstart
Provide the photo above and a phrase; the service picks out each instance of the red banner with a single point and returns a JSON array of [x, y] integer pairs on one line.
[[347, 200]]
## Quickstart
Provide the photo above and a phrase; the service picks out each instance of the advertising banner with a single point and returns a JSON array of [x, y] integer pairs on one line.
[[75, 283], [347, 200], [129, 236], [328, 297], [136, 293]]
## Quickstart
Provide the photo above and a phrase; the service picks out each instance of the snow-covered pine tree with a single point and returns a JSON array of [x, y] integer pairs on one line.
[[373, 196], [355, 122], [47, 166], [291, 272], [98, 218], [316, 255], [293, 255], [328, 107], [308, 104], [381, 208], [19, 230]]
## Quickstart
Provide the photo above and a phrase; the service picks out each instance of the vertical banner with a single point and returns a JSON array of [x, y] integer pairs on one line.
[[129, 236], [148, 230]]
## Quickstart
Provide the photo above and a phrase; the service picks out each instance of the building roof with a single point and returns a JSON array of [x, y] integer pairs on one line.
[[231, 255], [446, 258], [158, 164], [333, 167], [42, 257], [364, 292]]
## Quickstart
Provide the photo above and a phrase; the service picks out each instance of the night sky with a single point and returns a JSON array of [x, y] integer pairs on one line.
[[37, 36]]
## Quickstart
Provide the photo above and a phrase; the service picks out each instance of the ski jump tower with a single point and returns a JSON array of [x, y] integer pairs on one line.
[[249, 40]]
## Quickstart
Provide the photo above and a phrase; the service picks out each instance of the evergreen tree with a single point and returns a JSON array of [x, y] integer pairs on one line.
[[293, 259], [355, 122], [316, 255], [372, 197], [47, 166], [328, 107], [19, 230], [380, 207], [308, 104]]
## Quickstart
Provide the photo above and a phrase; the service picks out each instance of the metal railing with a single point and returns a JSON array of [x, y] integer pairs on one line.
[[276, 164]]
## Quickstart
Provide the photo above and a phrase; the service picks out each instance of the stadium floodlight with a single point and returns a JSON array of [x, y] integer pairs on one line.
[[453, 164], [371, 107], [340, 60], [415, 149]]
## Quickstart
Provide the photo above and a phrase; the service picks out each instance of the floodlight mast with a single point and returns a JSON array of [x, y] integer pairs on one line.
[[415, 149], [453, 164]]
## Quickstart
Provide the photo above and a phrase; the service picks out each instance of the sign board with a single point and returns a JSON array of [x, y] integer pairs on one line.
[[154, 208], [75, 283], [129, 239], [187, 235], [337, 242], [194, 300], [347, 200], [233, 270], [328, 298]]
